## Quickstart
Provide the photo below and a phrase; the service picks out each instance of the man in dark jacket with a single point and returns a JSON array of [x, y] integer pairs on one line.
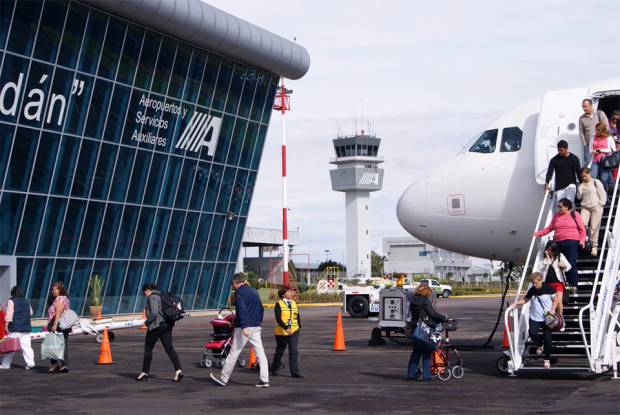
[[249, 316], [565, 166]]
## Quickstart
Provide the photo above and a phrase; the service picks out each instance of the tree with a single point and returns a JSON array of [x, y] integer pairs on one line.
[[376, 264], [323, 265]]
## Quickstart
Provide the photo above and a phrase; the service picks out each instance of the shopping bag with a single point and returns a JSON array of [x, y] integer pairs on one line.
[[68, 319], [53, 347], [9, 345]]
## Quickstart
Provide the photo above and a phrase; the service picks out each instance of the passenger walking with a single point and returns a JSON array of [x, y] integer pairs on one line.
[[601, 146], [553, 268], [60, 304], [249, 316], [614, 129], [593, 198], [422, 308], [587, 124], [288, 325], [543, 299], [18, 326], [158, 329], [566, 167], [569, 234]]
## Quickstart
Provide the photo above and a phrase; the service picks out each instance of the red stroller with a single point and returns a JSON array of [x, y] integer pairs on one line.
[[217, 349]]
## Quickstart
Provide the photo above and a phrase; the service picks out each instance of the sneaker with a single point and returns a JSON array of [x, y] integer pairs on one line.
[[262, 384], [298, 376], [2, 367], [594, 252], [30, 367], [547, 364], [539, 350], [218, 379]]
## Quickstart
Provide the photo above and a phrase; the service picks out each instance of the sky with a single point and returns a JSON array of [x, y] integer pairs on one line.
[[426, 76]]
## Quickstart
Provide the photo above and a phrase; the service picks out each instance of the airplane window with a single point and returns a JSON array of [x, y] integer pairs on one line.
[[485, 143], [511, 139]]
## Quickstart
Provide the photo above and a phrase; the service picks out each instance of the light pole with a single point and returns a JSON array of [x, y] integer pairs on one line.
[[327, 251]]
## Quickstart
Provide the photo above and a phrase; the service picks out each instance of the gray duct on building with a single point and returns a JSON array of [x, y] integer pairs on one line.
[[213, 29]]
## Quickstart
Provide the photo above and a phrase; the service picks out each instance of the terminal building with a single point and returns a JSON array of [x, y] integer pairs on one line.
[[413, 257], [131, 133]]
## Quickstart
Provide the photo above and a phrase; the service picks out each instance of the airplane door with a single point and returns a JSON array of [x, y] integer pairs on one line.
[[558, 120]]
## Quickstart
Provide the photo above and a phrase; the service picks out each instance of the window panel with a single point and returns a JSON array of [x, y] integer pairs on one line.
[[271, 93], [56, 111], [511, 139], [65, 166], [50, 30], [52, 225], [194, 77], [131, 52], [139, 176], [24, 266], [200, 185], [207, 89], [223, 142], [188, 173], [62, 271], [164, 276], [31, 224], [200, 302], [39, 286], [12, 69], [117, 113], [247, 96], [245, 158], [112, 48], [92, 227], [22, 159], [202, 235], [262, 84], [228, 236], [98, 109], [93, 39], [165, 61], [159, 233], [72, 37], [258, 148], [187, 238], [6, 139], [238, 191], [120, 183], [133, 109], [239, 75], [247, 194], [72, 227], [6, 12], [78, 289], [236, 143], [109, 230], [114, 287], [143, 233], [213, 189], [35, 93], [131, 289], [10, 213], [236, 245], [218, 278], [215, 237], [178, 278], [84, 170], [191, 283], [171, 179], [103, 173], [77, 107], [24, 28], [149, 274], [155, 179], [174, 234], [126, 231], [44, 165], [223, 82], [148, 57], [226, 190]]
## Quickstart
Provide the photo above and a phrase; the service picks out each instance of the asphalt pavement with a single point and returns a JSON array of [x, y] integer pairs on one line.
[[361, 379]]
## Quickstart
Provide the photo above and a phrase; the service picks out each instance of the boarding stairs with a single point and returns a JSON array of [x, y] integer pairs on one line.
[[590, 343]]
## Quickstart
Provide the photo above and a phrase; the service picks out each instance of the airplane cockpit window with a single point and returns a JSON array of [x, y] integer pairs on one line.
[[511, 139], [485, 143]]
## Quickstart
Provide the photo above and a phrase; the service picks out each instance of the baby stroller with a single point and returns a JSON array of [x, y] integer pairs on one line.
[[447, 361], [217, 349]]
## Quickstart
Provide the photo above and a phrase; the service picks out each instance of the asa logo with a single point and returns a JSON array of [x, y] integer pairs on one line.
[[195, 134]]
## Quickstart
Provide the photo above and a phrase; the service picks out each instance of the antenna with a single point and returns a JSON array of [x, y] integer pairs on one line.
[[362, 116]]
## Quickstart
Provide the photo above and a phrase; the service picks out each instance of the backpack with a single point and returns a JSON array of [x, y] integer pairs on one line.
[[171, 307]]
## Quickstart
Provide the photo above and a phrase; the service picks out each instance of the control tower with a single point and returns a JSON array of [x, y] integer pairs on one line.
[[357, 174]]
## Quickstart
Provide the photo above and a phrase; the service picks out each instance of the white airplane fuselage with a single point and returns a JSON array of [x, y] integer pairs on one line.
[[485, 202]]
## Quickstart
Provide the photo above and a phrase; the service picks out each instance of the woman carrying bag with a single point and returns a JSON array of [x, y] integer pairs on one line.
[[18, 326], [60, 306], [552, 267], [422, 309]]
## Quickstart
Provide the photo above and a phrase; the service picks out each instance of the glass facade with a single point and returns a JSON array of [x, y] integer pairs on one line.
[[124, 153]]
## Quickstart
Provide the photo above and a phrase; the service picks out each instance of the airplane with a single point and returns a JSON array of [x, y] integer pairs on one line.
[[484, 201]]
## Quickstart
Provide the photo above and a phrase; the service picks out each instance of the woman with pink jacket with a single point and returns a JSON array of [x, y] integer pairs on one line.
[[569, 234]]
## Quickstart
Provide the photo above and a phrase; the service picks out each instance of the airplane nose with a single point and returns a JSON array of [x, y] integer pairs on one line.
[[411, 208]]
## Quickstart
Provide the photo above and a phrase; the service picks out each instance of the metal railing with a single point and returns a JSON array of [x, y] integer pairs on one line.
[[517, 336]]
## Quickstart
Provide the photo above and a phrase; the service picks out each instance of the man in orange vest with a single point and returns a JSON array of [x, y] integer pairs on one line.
[[287, 332]]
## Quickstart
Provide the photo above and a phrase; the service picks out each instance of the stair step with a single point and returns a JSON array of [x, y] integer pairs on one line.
[[584, 369]]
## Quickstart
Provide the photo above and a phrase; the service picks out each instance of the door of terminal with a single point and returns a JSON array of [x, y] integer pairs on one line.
[[8, 278]]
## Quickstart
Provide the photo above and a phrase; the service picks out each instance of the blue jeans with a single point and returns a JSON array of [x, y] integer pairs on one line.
[[601, 173], [587, 156], [534, 332], [413, 363], [570, 249]]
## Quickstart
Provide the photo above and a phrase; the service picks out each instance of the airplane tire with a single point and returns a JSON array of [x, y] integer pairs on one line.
[[358, 306], [502, 365]]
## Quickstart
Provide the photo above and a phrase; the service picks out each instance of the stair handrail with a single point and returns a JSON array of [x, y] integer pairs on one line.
[[517, 328], [594, 335], [608, 280]]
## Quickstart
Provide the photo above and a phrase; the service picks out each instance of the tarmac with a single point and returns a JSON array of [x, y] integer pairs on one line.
[[362, 379]]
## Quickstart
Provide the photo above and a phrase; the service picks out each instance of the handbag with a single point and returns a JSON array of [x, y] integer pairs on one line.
[[611, 161], [68, 319], [53, 346], [423, 336], [9, 345], [555, 322]]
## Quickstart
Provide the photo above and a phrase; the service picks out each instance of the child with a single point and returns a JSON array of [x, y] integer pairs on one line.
[[544, 301]]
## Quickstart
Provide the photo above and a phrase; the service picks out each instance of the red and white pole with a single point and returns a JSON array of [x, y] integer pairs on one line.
[[282, 104]]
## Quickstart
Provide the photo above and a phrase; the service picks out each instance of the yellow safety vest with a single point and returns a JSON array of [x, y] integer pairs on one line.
[[289, 315]]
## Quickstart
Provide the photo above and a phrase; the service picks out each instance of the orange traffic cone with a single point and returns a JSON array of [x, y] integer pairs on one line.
[[105, 355], [143, 327], [252, 360], [505, 342], [339, 338]]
